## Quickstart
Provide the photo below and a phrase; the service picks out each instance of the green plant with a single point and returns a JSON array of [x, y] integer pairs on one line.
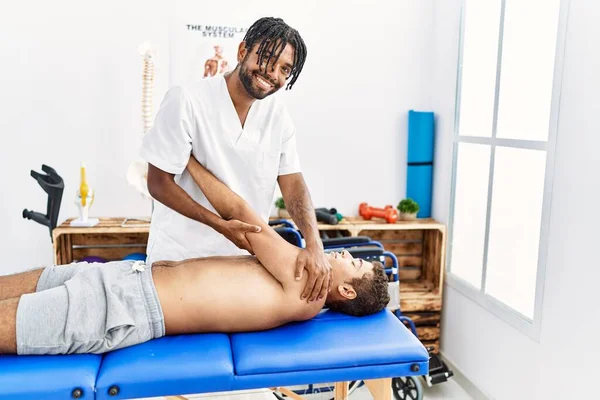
[[408, 206], [280, 203]]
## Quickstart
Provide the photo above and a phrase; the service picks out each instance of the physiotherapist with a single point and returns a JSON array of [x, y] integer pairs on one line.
[[234, 127]]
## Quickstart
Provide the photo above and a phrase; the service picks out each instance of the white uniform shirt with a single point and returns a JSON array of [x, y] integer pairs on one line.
[[200, 118]]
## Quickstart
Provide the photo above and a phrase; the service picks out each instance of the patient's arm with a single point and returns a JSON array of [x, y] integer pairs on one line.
[[274, 253]]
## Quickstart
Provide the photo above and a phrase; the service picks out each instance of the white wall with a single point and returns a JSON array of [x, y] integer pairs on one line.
[[70, 92], [500, 360], [71, 88]]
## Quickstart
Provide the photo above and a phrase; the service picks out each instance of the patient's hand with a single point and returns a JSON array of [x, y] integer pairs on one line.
[[320, 274], [235, 231]]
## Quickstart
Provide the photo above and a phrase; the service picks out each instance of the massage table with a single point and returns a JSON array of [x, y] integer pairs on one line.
[[331, 347]]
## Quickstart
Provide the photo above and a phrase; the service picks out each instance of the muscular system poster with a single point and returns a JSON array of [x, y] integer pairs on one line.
[[199, 49]]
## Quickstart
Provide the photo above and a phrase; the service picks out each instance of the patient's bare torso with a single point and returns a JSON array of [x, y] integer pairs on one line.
[[226, 294]]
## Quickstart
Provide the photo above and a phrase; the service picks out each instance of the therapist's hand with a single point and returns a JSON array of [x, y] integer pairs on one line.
[[319, 271], [236, 230]]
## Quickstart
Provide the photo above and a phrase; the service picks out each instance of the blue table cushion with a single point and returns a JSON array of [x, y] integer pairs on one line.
[[48, 377], [327, 375], [327, 342], [171, 365], [330, 347]]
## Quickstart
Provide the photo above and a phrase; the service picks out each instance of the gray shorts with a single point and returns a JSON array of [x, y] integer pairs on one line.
[[89, 308]]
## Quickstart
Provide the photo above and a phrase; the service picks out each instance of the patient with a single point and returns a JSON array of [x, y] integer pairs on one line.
[[95, 308]]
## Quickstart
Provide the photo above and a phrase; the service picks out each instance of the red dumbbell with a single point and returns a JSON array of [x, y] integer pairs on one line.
[[389, 213]]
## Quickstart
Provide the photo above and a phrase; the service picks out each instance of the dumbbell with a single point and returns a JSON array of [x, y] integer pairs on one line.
[[389, 213], [326, 216]]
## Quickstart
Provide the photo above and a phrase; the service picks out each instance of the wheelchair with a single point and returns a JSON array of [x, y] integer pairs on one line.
[[403, 388]]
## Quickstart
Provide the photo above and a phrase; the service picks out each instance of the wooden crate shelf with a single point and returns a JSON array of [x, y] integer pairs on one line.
[[419, 300], [112, 239], [428, 327]]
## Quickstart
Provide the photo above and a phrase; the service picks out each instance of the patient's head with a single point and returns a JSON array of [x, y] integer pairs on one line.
[[359, 287]]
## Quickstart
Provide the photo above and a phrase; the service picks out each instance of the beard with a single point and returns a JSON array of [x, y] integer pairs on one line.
[[249, 82]]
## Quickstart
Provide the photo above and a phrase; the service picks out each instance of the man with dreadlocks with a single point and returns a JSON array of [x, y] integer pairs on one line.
[[234, 127]]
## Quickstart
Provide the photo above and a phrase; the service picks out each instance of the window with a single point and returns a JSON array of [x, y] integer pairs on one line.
[[507, 105]]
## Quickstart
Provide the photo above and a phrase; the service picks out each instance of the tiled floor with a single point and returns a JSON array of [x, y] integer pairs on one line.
[[447, 390]]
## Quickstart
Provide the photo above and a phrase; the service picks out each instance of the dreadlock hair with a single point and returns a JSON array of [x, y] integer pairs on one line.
[[371, 294], [274, 35]]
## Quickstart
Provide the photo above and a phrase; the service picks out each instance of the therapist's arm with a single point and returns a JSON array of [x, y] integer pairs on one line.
[[299, 205], [162, 187], [273, 252]]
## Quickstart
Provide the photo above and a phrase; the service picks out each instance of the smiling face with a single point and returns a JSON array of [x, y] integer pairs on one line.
[[262, 80]]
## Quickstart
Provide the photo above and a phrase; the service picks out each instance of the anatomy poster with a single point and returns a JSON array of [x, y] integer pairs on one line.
[[199, 49]]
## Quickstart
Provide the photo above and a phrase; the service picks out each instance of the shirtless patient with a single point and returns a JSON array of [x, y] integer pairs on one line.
[[95, 308]]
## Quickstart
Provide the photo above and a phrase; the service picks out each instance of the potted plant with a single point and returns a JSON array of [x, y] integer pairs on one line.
[[408, 209], [281, 211]]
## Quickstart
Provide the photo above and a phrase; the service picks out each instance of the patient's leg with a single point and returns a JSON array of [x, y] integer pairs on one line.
[[17, 284], [38, 279], [8, 331]]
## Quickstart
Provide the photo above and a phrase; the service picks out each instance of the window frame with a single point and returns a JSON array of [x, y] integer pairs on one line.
[[530, 327]]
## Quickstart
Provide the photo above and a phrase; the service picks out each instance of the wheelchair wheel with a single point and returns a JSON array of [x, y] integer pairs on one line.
[[407, 388]]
